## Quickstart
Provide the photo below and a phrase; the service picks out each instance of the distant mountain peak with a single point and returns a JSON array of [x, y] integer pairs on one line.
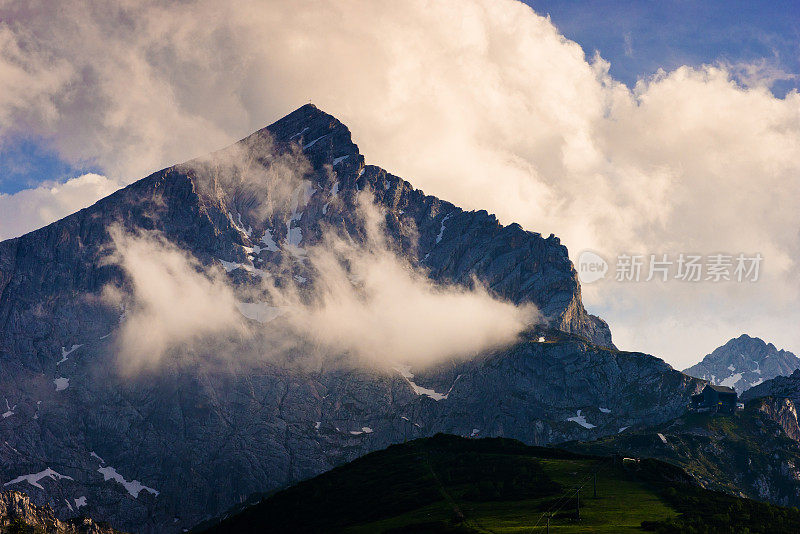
[[744, 362]]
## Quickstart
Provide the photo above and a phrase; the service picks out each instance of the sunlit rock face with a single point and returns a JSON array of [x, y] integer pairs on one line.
[[779, 399], [17, 507]]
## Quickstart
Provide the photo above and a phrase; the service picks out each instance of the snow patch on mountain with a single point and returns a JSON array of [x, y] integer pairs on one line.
[[581, 420], [61, 383], [231, 266], [9, 410], [294, 235], [34, 478], [731, 380], [134, 487], [259, 311], [301, 132], [442, 228], [405, 372], [66, 352], [312, 143], [404, 418], [240, 225], [269, 241], [334, 194], [255, 250]]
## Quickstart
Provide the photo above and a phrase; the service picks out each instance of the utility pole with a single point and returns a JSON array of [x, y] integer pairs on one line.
[[595, 484], [578, 503], [548, 523]]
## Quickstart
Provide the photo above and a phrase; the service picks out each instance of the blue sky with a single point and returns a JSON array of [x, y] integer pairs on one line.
[[24, 163], [637, 38], [640, 37]]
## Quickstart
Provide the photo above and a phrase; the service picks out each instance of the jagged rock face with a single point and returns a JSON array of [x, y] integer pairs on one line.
[[778, 399], [17, 510], [160, 452], [778, 387], [784, 412], [452, 244], [744, 362], [206, 441]]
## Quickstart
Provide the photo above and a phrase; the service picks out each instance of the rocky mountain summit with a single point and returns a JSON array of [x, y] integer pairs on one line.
[[160, 451], [744, 362]]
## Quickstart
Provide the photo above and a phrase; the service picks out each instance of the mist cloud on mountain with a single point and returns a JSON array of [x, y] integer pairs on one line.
[[366, 303]]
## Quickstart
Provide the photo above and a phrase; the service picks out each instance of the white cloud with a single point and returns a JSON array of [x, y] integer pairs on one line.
[[761, 73], [369, 302], [30, 209], [481, 102], [364, 301], [173, 303]]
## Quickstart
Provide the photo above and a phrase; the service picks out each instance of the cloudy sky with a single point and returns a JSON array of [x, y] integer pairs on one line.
[[671, 129]]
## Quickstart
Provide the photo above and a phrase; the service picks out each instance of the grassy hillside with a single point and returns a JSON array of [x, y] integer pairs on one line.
[[448, 484], [744, 454]]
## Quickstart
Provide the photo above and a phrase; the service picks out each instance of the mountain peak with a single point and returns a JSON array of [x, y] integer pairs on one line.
[[253, 211], [307, 124], [744, 362], [305, 114], [322, 138]]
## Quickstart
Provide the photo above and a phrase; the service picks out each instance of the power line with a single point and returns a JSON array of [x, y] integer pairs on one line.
[[567, 497]]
